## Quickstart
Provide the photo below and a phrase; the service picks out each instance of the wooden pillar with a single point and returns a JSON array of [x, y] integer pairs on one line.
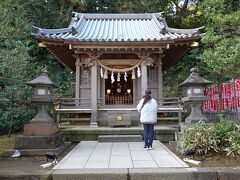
[[160, 80], [144, 81], [94, 93], [77, 82]]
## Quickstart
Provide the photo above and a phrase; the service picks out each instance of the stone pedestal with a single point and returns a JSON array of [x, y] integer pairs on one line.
[[39, 142], [196, 114], [195, 104], [37, 139], [40, 129]]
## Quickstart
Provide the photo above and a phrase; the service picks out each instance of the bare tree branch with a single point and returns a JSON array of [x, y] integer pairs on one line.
[[185, 5], [175, 2]]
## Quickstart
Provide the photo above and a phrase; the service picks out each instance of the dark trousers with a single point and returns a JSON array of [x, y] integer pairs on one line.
[[148, 134]]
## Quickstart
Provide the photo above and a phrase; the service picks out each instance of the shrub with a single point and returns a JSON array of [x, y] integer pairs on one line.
[[222, 138]]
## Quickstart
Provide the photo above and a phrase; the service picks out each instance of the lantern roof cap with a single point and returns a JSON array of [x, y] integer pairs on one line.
[[42, 80], [194, 79]]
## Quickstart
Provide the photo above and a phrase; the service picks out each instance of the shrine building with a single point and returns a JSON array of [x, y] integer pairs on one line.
[[115, 57]]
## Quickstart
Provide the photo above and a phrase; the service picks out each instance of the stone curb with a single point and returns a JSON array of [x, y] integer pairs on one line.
[[24, 176], [223, 173], [149, 174], [91, 174]]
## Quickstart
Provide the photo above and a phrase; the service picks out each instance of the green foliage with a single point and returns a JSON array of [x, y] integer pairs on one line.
[[21, 61], [222, 40], [12, 21], [184, 13], [199, 136], [14, 60], [178, 72], [221, 138]]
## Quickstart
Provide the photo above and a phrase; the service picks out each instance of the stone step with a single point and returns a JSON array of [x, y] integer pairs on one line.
[[75, 133], [120, 138]]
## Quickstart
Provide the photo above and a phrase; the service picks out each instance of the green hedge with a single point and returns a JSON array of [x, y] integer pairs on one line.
[[222, 138]]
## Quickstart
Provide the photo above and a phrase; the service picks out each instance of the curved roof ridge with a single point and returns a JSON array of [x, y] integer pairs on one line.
[[52, 31], [157, 21], [184, 31], [118, 15]]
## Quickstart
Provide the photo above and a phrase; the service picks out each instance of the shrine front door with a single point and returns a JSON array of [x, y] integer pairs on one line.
[[120, 91]]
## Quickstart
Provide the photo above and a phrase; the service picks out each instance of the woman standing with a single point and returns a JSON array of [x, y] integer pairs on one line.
[[148, 108]]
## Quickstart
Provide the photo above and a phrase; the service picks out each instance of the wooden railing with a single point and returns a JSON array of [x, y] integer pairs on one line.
[[170, 101], [170, 109], [69, 108], [74, 103], [167, 102]]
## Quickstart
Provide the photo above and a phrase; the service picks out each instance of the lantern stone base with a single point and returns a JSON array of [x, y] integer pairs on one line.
[[195, 120], [196, 113], [40, 129], [39, 142], [39, 145], [39, 152], [195, 103]]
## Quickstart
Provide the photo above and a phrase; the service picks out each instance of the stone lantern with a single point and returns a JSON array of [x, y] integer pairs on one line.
[[42, 133], [194, 95], [41, 99]]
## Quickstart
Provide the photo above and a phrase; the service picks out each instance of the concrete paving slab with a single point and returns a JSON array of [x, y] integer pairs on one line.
[[118, 152], [141, 155], [72, 163], [97, 164], [158, 152], [120, 162], [166, 161], [135, 146], [145, 164], [93, 154], [100, 157]]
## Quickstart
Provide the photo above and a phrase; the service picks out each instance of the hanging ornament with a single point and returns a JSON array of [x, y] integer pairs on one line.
[[112, 78], [105, 74], [101, 72], [118, 77], [133, 74], [138, 72], [125, 76]]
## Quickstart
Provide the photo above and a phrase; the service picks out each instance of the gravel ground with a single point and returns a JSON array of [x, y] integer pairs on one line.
[[26, 165]]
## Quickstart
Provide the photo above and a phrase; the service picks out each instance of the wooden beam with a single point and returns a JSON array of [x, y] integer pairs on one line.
[[120, 46], [41, 44], [194, 44], [122, 51]]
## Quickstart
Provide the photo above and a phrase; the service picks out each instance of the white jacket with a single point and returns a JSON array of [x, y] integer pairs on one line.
[[148, 112]]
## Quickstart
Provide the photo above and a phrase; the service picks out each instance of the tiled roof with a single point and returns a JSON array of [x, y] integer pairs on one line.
[[118, 28]]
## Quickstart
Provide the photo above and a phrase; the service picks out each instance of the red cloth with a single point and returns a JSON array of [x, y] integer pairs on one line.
[[230, 97]]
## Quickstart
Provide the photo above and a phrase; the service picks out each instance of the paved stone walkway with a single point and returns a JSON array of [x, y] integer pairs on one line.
[[93, 154]]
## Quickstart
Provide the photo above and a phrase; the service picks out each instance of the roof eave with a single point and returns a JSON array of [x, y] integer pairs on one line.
[[185, 31]]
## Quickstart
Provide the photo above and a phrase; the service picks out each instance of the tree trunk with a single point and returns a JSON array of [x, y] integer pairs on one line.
[[12, 115], [62, 3], [235, 105]]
